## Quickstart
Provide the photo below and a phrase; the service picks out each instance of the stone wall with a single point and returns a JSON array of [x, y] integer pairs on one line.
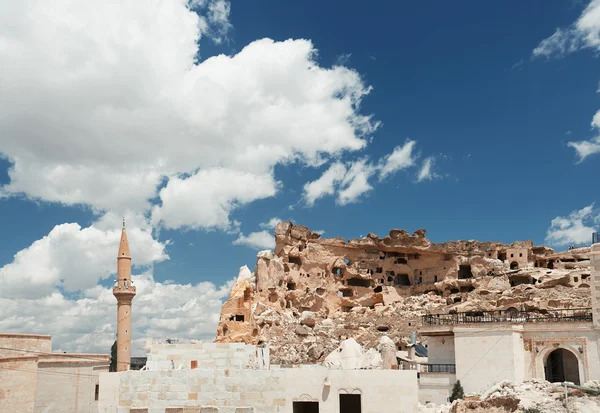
[[258, 391], [67, 386], [34, 380], [163, 356], [24, 344], [18, 376]]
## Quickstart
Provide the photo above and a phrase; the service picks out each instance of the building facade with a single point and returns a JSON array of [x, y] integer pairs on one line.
[[35, 380], [236, 378], [482, 348]]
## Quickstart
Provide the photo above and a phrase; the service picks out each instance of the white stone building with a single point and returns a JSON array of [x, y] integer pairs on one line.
[[483, 348], [236, 378]]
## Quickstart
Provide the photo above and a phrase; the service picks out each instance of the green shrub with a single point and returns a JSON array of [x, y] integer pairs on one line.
[[457, 392]]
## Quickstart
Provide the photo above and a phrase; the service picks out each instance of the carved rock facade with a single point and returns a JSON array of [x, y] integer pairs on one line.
[[313, 292]]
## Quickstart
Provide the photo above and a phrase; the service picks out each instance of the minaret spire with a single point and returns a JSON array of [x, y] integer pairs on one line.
[[124, 292]]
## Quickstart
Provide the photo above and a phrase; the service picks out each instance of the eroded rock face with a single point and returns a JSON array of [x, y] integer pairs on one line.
[[311, 292]]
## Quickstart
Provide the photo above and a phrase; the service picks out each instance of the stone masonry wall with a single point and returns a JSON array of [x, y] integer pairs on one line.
[[18, 380], [162, 356], [24, 344]]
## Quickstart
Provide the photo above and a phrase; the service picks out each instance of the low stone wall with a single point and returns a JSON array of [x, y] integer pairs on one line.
[[258, 391]]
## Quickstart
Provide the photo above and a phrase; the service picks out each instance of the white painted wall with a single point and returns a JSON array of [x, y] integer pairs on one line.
[[435, 387], [485, 356], [440, 350], [266, 391], [163, 356]]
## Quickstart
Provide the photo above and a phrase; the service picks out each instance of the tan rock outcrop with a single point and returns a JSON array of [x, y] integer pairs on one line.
[[311, 292]]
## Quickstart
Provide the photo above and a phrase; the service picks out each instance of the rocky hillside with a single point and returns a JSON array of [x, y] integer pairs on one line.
[[311, 292]]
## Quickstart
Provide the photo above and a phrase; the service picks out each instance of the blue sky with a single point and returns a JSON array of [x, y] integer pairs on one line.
[[330, 124]]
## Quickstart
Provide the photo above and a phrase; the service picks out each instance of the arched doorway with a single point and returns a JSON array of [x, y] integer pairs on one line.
[[514, 265], [562, 365]]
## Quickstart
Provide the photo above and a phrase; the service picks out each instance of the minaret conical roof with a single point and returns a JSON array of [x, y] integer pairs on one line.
[[124, 244]]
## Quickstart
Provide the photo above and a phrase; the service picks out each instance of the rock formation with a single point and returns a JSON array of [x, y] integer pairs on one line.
[[311, 292]]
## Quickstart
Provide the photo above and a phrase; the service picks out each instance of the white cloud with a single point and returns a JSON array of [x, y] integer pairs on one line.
[[101, 105], [584, 33], [206, 199], [591, 146], [426, 172], [325, 185], [270, 224], [355, 182], [74, 258], [87, 324], [351, 180], [261, 240], [402, 157], [576, 228]]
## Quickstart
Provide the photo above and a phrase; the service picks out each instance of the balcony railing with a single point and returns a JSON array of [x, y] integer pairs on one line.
[[510, 316], [438, 368]]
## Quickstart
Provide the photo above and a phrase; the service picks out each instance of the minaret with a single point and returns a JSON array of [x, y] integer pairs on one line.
[[124, 292], [595, 284]]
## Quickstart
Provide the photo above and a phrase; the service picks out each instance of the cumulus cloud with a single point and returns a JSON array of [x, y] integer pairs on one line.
[[576, 228], [355, 182], [103, 106], [206, 199], [351, 180], [426, 172], [402, 157], [271, 224], [583, 33], [325, 184], [589, 147], [261, 240], [87, 324], [74, 259]]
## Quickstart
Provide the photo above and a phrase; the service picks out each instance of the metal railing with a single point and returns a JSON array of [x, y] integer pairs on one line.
[[595, 238], [510, 316], [438, 368]]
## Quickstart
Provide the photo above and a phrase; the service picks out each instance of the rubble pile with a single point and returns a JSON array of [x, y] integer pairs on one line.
[[309, 294], [531, 396]]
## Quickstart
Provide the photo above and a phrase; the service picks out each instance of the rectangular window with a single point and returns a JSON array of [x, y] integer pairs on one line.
[[305, 407], [350, 403], [97, 392]]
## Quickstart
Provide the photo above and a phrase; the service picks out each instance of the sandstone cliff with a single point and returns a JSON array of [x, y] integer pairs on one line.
[[312, 292]]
